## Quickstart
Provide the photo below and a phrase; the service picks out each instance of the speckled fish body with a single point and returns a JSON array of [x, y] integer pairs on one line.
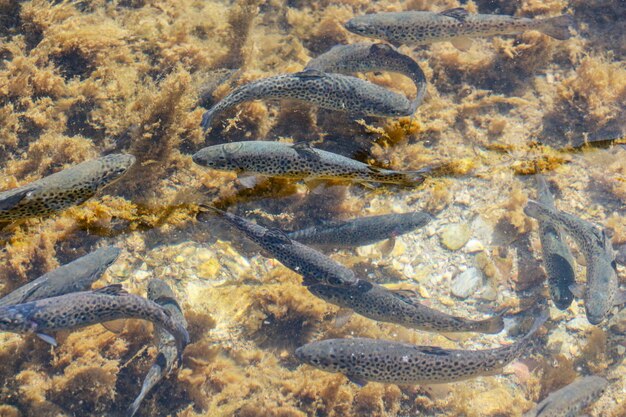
[[572, 399], [330, 91], [162, 294], [360, 231], [363, 360], [602, 284], [381, 304], [418, 27], [63, 189], [80, 309], [314, 266], [557, 258], [73, 277], [366, 57], [299, 161]]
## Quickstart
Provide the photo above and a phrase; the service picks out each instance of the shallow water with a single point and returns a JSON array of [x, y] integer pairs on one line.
[[82, 79]]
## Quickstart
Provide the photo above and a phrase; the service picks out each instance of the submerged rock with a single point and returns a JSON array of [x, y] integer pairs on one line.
[[455, 236], [467, 283]]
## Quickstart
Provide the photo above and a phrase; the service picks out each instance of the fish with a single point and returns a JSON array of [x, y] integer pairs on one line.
[[80, 309], [371, 57], [313, 266], [455, 25], [75, 276], [400, 307], [363, 360], [572, 399], [557, 258], [360, 231], [162, 294], [63, 189], [338, 92], [298, 161], [602, 285]]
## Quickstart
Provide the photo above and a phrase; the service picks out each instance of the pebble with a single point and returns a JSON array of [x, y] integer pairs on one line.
[[578, 324], [209, 269], [467, 283], [455, 236], [473, 246]]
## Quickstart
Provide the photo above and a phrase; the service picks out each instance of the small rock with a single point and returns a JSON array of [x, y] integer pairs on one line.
[[455, 236], [488, 294], [577, 324], [179, 259], [473, 246], [141, 275], [467, 283]]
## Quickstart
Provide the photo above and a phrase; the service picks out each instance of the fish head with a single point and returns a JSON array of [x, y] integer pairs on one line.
[[14, 319], [114, 166], [411, 221], [369, 25], [318, 354], [218, 156]]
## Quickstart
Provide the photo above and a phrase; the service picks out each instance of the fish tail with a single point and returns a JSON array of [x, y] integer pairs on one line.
[[539, 321], [492, 325], [132, 409], [558, 27], [207, 119], [415, 178]]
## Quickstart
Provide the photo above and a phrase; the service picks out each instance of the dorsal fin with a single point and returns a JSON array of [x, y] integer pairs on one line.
[[457, 13], [304, 149], [114, 289], [433, 350], [408, 296], [309, 73], [275, 235]]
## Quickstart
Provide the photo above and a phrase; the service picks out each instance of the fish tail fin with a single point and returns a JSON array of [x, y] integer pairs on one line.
[[132, 409], [492, 325], [182, 340], [207, 119], [539, 321], [415, 178], [558, 27]]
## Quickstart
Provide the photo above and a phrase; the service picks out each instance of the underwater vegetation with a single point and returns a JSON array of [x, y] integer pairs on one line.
[[80, 80]]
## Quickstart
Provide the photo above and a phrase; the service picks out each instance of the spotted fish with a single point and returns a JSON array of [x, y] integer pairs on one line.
[[73, 277], [80, 309], [298, 161], [602, 285], [162, 294], [63, 189], [330, 91], [314, 266], [455, 25], [363, 360], [572, 399], [557, 258], [360, 231], [400, 307], [366, 57]]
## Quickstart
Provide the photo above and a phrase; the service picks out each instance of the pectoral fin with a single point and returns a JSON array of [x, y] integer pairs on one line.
[[248, 180], [115, 326], [462, 43], [387, 247], [13, 200], [342, 317], [47, 338], [578, 290]]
